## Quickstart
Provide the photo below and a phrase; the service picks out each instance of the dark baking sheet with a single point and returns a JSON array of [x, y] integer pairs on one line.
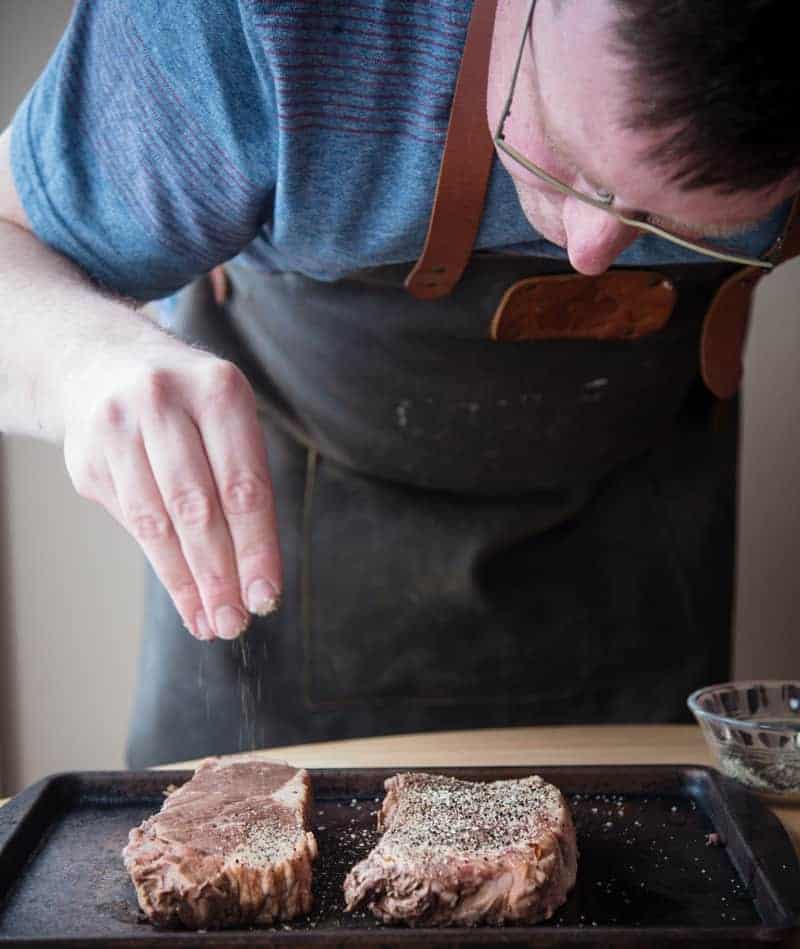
[[646, 874]]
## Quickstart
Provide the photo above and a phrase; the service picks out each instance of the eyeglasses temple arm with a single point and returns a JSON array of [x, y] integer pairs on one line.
[[498, 135]]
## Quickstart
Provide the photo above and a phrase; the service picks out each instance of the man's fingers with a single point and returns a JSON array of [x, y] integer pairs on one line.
[[138, 506], [187, 476], [180, 467], [234, 443]]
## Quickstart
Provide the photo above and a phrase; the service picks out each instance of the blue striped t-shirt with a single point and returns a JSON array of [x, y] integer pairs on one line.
[[167, 136]]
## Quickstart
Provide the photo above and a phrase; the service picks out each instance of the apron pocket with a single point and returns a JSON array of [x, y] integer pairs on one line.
[[401, 601]]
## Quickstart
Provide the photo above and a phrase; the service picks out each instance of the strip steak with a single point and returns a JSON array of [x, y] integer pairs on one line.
[[461, 852], [231, 847]]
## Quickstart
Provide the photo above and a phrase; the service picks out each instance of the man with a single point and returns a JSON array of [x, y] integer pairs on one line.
[[474, 531]]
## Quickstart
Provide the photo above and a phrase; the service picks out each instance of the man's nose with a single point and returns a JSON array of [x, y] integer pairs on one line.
[[594, 238]]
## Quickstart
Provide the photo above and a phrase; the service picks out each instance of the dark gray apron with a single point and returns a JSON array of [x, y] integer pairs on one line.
[[474, 533]]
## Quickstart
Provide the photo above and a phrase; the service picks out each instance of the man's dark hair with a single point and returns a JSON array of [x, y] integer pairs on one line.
[[702, 66]]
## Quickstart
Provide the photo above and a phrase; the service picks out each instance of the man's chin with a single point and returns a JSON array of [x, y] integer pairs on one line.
[[544, 221], [556, 236]]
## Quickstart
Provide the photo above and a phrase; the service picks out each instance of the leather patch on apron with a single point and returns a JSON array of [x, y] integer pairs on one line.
[[618, 304]]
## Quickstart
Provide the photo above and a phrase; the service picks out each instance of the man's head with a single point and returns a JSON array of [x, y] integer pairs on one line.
[[660, 103]]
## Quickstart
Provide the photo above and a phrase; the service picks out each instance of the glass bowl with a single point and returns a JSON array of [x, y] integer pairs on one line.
[[753, 731]]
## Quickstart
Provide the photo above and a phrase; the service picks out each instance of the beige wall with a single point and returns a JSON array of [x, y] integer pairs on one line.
[[71, 620], [768, 588], [71, 581]]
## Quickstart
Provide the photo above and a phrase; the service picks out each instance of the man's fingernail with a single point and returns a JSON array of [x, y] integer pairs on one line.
[[230, 622], [202, 629], [262, 598]]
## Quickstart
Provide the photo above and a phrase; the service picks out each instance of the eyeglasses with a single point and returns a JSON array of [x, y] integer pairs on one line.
[[603, 200]]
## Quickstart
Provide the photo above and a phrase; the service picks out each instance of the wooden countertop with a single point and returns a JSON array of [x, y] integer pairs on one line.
[[542, 745]]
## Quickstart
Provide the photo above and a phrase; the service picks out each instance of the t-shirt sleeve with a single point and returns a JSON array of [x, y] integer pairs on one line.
[[146, 151]]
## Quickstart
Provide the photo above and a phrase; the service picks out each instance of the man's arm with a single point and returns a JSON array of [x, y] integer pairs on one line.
[[164, 436]]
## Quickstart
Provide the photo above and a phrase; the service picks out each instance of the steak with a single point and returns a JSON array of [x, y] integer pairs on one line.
[[229, 848], [460, 852]]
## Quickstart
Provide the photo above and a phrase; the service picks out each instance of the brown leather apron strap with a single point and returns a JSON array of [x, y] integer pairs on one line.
[[464, 171], [728, 317]]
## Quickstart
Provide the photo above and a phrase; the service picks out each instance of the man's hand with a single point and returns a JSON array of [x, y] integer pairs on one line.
[[162, 435], [167, 439]]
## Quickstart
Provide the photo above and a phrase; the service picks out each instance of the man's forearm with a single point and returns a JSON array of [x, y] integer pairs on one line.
[[163, 435], [53, 321]]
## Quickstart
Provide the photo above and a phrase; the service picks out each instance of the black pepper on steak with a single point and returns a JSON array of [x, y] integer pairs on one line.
[[461, 852], [231, 847]]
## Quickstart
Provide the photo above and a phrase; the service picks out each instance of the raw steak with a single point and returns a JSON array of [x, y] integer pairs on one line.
[[229, 848], [458, 852]]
